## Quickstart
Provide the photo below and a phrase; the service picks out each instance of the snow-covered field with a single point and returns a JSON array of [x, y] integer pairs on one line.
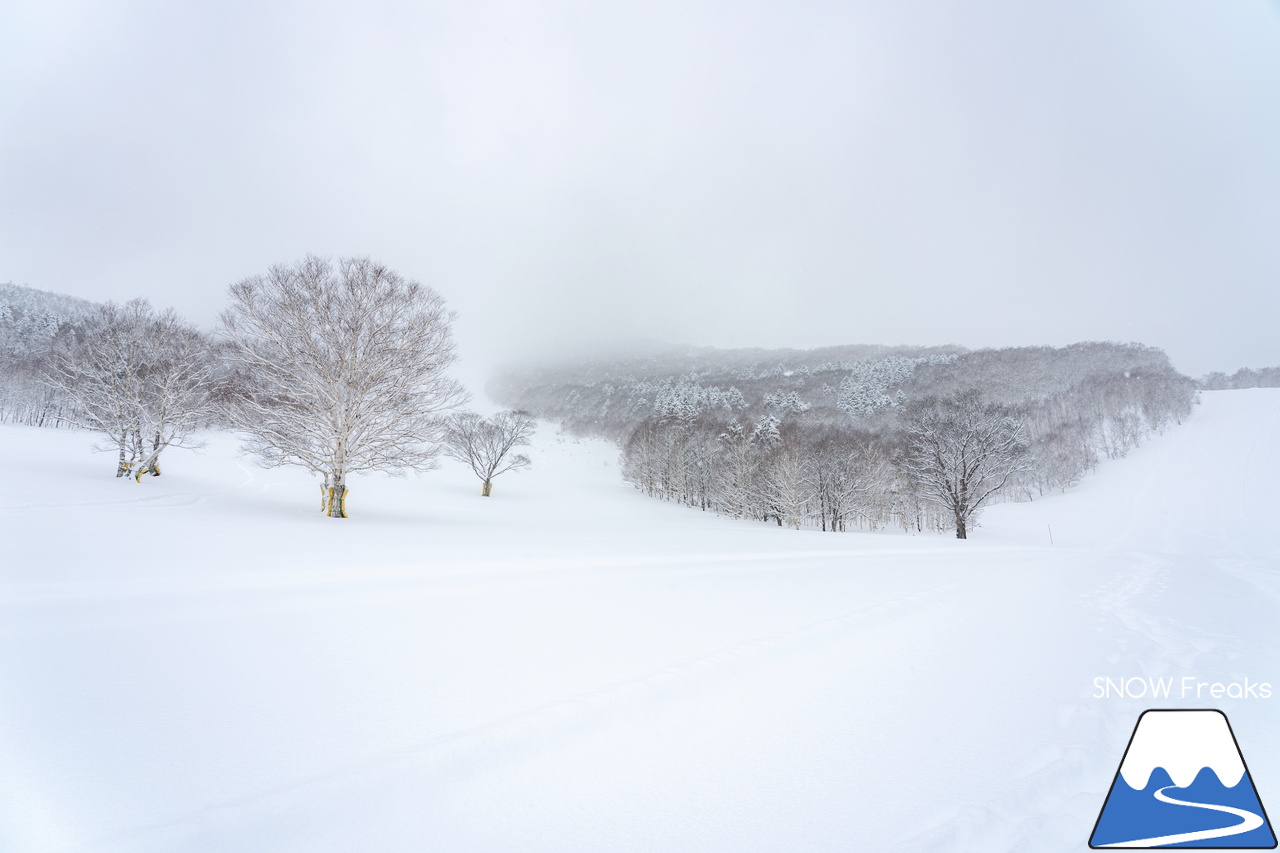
[[202, 662]]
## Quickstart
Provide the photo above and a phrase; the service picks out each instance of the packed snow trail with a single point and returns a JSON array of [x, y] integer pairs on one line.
[[572, 666], [1248, 822]]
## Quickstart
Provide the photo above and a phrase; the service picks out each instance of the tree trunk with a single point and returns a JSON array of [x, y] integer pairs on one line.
[[487, 489], [960, 527], [338, 495], [150, 465], [122, 467]]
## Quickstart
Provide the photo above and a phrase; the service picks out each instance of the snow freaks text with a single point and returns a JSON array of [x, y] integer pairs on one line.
[[1186, 687]]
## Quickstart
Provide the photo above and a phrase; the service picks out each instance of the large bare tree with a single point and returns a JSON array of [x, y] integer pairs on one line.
[[342, 370], [485, 444], [142, 378], [962, 450]]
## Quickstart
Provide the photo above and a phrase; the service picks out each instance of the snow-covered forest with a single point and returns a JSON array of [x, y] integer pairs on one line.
[[855, 436], [1245, 377], [826, 438], [32, 323]]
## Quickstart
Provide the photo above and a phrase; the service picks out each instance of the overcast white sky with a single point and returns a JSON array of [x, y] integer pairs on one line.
[[987, 172]]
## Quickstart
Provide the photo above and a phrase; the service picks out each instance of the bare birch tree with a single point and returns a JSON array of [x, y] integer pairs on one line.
[[961, 451], [342, 370], [143, 379], [485, 444]]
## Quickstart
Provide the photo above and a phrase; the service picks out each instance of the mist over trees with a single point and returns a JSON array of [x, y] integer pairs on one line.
[[827, 438], [835, 439]]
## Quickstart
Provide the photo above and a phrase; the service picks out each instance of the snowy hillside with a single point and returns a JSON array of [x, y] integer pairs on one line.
[[31, 323], [203, 662]]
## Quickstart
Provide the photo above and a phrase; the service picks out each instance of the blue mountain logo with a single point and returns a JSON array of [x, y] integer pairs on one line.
[[1183, 783]]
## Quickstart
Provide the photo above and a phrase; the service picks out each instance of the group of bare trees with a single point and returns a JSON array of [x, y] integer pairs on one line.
[[784, 473], [921, 439], [141, 378], [1245, 377], [339, 368], [953, 456]]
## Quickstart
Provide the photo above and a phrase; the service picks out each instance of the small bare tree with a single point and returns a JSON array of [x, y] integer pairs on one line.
[[144, 379], [341, 370], [485, 444], [961, 451]]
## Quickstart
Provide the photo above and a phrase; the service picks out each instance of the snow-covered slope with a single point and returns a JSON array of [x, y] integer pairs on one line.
[[203, 662]]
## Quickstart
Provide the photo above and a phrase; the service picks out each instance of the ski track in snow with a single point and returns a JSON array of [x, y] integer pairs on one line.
[[1148, 578], [1032, 813], [1248, 822], [541, 728]]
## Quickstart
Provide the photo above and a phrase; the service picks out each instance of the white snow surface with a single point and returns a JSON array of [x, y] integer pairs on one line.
[[203, 662], [1183, 743]]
